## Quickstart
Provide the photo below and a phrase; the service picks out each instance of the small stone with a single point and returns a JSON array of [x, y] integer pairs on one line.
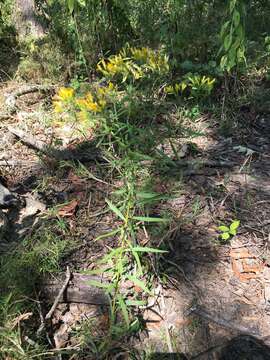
[[267, 291]]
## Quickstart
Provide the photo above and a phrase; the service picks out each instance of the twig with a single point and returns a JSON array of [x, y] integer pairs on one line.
[[42, 322], [61, 292], [56, 301]]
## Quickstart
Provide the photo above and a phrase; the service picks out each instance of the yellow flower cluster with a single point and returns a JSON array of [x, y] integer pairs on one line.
[[63, 97], [94, 102], [154, 61], [118, 65], [88, 103], [175, 89], [133, 62], [197, 84]]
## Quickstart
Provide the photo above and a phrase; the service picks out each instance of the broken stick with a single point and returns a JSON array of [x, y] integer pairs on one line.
[[56, 301]]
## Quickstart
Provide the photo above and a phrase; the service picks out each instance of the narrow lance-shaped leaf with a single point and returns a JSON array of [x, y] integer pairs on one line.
[[115, 210], [123, 308]]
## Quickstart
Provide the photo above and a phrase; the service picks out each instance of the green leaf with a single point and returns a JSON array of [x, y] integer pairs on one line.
[[123, 308], [147, 249], [235, 225], [113, 253], [71, 5], [232, 5], [223, 228], [94, 272], [227, 42], [236, 18], [139, 283], [111, 233], [225, 236], [146, 195], [138, 261], [136, 302], [224, 29], [99, 284], [115, 210], [223, 62], [149, 219]]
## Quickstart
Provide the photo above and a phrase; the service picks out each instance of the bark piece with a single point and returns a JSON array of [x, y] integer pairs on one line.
[[78, 290]]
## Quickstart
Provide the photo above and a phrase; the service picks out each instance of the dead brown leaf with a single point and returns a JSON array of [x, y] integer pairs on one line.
[[69, 209], [20, 318]]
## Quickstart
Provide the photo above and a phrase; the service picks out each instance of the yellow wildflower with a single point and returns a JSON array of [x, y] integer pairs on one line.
[[89, 97], [65, 94], [58, 107], [111, 86], [81, 103]]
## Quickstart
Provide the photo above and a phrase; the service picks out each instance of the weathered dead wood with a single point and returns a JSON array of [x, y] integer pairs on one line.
[[199, 163], [56, 301], [197, 310], [11, 98], [5, 116], [62, 154], [13, 163], [254, 182], [78, 290]]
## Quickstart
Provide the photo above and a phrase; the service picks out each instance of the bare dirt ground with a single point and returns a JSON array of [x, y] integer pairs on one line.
[[214, 290]]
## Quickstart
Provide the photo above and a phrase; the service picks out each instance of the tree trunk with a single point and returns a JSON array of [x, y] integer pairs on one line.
[[26, 20]]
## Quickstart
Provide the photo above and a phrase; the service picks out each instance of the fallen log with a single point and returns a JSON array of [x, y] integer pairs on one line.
[[11, 98], [78, 290], [58, 154]]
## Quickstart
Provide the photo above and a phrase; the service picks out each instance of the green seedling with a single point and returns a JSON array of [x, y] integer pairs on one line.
[[228, 232]]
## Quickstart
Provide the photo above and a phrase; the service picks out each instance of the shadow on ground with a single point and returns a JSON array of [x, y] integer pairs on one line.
[[212, 194]]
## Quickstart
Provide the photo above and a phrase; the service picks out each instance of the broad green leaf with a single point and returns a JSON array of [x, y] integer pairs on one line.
[[235, 225], [147, 249], [236, 18], [139, 283], [225, 236], [71, 5], [223, 228], [115, 210], [124, 310], [149, 219]]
